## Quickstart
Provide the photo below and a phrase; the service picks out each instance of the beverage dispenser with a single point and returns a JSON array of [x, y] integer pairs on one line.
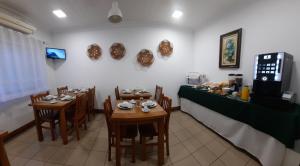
[[272, 75]]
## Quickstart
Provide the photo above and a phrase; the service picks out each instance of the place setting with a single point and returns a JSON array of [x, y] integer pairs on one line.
[[125, 105], [52, 99], [126, 91], [141, 91], [148, 105]]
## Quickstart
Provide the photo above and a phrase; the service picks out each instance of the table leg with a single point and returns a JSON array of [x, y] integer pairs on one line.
[[160, 152], [38, 125], [3, 155], [63, 126], [118, 147]]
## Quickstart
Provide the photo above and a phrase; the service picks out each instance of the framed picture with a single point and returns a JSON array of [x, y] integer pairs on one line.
[[230, 49]]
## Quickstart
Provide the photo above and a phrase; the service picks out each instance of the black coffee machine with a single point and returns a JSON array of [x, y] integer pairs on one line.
[[272, 75]]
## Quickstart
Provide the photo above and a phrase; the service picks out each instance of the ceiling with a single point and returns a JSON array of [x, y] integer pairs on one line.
[[87, 13]]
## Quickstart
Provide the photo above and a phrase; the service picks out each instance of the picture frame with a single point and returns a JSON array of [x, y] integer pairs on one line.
[[230, 49]]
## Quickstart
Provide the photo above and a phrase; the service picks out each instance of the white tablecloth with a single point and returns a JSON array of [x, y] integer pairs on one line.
[[268, 150]]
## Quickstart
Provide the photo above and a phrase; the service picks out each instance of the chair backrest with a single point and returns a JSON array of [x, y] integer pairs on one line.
[[107, 113], [91, 97], [167, 106], [117, 93], [81, 106], [109, 105], [62, 90], [158, 94], [38, 97]]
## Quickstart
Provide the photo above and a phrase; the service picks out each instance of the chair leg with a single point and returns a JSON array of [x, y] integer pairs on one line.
[[77, 131], [52, 128], [140, 139], [94, 112], [133, 149], [109, 148], [143, 148], [85, 126], [88, 116], [167, 143]]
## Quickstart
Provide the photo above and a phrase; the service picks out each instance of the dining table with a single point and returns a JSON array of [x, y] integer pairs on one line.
[[3, 155], [136, 116], [134, 94], [60, 106]]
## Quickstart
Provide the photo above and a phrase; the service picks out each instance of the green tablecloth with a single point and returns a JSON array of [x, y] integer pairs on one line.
[[283, 125]]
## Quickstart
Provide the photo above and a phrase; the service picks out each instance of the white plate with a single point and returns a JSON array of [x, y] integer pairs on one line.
[[125, 106], [143, 91], [67, 98], [132, 101], [150, 104], [53, 101]]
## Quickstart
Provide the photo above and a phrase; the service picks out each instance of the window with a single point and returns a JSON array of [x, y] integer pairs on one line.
[[22, 65]]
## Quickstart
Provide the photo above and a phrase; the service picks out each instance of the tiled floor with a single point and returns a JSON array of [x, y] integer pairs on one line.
[[190, 144]]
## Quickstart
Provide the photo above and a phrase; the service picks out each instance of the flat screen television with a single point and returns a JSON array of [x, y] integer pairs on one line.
[[56, 53]]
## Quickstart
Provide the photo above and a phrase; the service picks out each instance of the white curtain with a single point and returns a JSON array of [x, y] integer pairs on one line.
[[22, 65]]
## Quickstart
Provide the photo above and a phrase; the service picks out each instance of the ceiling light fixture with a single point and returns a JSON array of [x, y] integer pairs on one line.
[[115, 14], [177, 14], [59, 13]]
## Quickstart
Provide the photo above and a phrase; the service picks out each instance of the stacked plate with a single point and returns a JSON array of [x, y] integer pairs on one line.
[[53, 101], [125, 105], [149, 104], [83, 90], [49, 97], [67, 98], [132, 101], [126, 91], [143, 91]]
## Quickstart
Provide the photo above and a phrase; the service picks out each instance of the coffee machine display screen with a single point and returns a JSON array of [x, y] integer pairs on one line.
[[268, 67]]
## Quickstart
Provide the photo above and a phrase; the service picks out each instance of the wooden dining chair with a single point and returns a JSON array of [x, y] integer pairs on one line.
[[45, 116], [91, 102], [117, 93], [62, 90], [158, 94], [81, 109], [127, 131], [151, 130], [3, 155]]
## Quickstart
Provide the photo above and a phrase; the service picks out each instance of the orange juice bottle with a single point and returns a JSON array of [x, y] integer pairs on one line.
[[245, 93]]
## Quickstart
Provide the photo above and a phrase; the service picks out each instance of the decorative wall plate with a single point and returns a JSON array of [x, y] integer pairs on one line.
[[145, 57], [165, 48], [94, 51], [117, 50]]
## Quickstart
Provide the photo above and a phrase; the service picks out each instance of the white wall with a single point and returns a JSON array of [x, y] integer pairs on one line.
[[268, 26], [106, 73]]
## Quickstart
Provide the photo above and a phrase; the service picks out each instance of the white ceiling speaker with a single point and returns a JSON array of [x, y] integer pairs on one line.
[[115, 14]]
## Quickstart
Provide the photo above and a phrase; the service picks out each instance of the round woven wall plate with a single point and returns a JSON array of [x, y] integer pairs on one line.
[[145, 57], [165, 48], [117, 50], [94, 51]]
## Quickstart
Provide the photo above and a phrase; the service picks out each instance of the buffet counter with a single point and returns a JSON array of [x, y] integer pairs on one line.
[[265, 133]]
